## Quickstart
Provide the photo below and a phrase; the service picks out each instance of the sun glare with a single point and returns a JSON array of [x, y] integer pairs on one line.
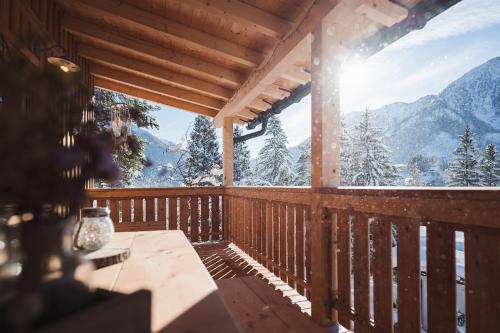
[[356, 78]]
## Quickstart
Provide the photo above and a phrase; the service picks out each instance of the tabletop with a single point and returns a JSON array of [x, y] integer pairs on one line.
[[184, 296]]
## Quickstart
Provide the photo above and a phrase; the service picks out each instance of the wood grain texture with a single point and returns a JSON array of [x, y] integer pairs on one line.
[[382, 275], [300, 246], [205, 213], [290, 244], [441, 279], [184, 215], [195, 219], [282, 249], [172, 213], [216, 225], [344, 269], [361, 273], [482, 273], [409, 292]]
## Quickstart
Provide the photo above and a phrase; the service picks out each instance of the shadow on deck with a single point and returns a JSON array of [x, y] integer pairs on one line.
[[258, 299]]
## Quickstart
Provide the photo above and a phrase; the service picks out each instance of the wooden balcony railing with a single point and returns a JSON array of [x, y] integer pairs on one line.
[[272, 225], [363, 220], [288, 230], [196, 211]]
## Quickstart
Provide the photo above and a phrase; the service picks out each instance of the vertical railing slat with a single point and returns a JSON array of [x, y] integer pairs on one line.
[[282, 223], [269, 232], [382, 275], [195, 219], [138, 210], [114, 211], [361, 273], [482, 280], [215, 233], [290, 243], [307, 222], [276, 237], [441, 279], [172, 213], [184, 215], [204, 218], [162, 213], [126, 211], [344, 268], [258, 228], [299, 241], [408, 253], [150, 211]]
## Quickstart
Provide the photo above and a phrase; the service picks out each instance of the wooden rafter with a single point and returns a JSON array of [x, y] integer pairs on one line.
[[170, 30], [154, 86], [285, 54], [158, 53], [116, 60], [243, 14], [151, 96]]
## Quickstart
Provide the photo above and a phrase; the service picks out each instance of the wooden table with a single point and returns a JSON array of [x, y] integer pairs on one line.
[[185, 298]]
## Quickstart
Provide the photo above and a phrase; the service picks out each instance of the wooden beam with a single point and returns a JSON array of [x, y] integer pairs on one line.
[[274, 91], [154, 86], [325, 172], [116, 60], [158, 53], [285, 54], [248, 16], [227, 137], [383, 11], [160, 26], [151, 96], [297, 74]]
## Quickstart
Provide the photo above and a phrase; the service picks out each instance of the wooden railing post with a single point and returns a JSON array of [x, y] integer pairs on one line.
[[227, 153], [325, 171]]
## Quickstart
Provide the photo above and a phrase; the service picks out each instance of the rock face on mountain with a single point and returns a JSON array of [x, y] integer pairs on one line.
[[431, 125]]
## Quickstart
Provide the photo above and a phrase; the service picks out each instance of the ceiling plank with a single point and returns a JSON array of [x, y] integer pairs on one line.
[[154, 86], [153, 97], [244, 14], [171, 30], [285, 54], [382, 11], [159, 53], [140, 68]]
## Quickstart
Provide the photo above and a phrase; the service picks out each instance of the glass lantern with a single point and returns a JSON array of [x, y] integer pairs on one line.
[[94, 230]]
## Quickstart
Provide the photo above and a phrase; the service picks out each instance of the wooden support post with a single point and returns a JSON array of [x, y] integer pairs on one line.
[[325, 172], [227, 137]]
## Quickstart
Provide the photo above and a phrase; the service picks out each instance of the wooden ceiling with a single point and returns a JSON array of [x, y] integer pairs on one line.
[[214, 57]]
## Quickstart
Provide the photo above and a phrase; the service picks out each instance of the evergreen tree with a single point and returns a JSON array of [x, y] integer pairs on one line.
[[128, 149], [303, 166], [274, 164], [490, 167], [346, 160], [370, 164], [203, 154], [241, 158], [464, 169]]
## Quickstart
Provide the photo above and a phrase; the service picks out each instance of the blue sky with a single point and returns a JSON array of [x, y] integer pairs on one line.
[[423, 62]]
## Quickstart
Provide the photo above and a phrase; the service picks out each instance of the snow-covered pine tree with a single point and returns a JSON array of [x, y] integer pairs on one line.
[[346, 160], [464, 169], [274, 164], [370, 165], [303, 166], [490, 167], [203, 152], [241, 157]]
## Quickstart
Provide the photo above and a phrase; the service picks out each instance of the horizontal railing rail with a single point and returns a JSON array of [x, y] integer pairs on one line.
[[195, 210]]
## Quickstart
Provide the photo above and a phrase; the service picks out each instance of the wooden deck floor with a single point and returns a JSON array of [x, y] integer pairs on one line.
[[259, 300]]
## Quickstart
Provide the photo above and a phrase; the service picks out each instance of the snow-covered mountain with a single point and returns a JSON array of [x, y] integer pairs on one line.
[[431, 125], [160, 159]]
